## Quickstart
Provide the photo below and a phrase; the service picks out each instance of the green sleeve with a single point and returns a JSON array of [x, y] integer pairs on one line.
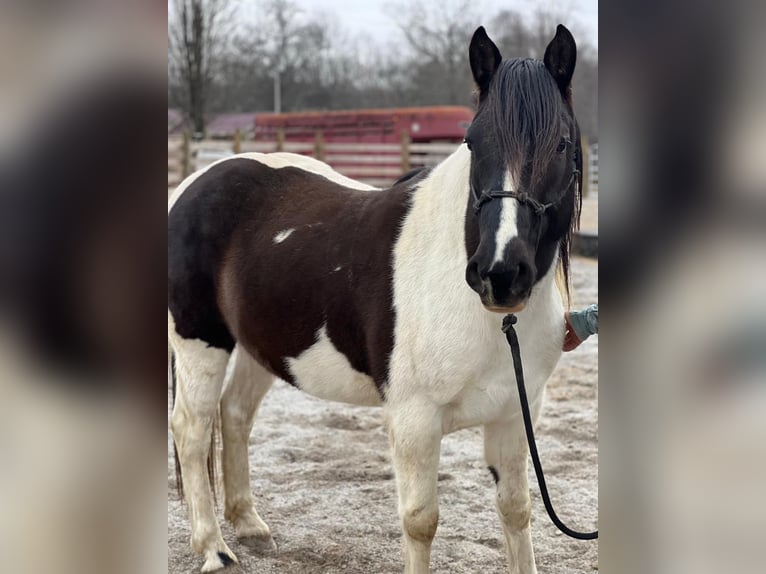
[[585, 322]]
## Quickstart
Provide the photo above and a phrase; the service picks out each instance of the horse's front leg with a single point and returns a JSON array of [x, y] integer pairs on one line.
[[505, 450], [415, 433]]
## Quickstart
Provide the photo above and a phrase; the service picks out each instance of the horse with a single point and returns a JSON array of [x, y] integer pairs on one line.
[[391, 297]]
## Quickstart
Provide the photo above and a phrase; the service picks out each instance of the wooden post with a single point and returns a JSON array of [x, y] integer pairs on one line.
[[585, 166], [237, 147], [281, 139], [185, 155], [405, 151], [319, 147]]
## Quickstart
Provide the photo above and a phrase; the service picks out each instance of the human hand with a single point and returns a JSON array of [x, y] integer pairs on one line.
[[571, 340]]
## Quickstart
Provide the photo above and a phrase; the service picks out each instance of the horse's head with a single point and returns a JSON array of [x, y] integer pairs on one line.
[[525, 170]]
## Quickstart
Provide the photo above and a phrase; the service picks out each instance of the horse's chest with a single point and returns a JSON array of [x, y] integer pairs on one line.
[[472, 377], [491, 393]]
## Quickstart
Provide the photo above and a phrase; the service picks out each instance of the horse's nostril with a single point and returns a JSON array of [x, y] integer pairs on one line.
[[523, 273], [501, 280], [473, 277], [473, 269]]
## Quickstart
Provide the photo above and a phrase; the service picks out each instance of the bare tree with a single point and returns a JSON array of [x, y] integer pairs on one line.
[[289, 59], [526, 36], [438, 33], [322, 66], [198, 33]]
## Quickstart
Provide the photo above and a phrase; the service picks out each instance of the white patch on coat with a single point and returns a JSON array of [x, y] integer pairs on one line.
[[282, 235], [196, 359], [506, 229], [324, 372], [283, 159], [338, 268]]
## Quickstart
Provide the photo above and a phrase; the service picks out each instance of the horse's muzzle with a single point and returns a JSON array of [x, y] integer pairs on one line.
[[504, 288], [505, 310], [510, 305]]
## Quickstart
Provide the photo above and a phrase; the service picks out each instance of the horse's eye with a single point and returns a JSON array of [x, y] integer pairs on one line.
[[469, 143], [562, 145]]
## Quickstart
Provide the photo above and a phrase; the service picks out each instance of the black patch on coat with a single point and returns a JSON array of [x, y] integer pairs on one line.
[[225, 559], [494, 473], [229, 281]]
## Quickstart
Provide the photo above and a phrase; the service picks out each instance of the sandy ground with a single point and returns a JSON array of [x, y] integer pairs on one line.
[[589, 213], [324, 483]]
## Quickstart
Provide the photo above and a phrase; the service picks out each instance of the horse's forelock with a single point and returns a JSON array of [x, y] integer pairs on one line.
[[524, 106]]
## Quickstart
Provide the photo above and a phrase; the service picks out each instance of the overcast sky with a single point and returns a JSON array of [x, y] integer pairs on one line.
[[369, 17]]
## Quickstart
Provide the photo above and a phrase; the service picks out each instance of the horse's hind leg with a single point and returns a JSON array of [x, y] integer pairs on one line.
[[505, 449], [249, 383], [200, 370]]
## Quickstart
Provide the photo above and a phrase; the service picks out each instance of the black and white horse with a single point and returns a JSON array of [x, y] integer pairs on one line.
[[381, 297]]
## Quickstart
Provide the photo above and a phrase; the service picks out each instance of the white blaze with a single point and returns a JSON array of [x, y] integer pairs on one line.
[[506, 229]]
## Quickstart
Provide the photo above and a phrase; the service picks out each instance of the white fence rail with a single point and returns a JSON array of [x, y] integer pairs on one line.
[[592, 183], [376, 164]]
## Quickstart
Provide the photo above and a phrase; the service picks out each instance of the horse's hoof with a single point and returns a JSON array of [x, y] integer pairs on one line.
[[259, 544], [219, 561]]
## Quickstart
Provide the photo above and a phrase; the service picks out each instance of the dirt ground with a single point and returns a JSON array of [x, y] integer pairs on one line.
[[589, 213], [324, 483]]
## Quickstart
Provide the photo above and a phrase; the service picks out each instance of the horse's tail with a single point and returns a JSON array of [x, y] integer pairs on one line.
[[212, 458], [212, 470], [179, 476]]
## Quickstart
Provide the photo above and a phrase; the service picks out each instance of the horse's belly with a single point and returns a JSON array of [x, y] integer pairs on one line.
[[324, 372]]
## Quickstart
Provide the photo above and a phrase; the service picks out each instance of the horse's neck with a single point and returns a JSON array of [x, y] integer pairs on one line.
[[436, 221], [444, 193]]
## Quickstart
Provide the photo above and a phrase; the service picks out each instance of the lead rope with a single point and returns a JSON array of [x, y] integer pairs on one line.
[[513, 341]]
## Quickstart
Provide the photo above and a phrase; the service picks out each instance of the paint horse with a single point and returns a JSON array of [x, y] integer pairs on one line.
[[388, 297]]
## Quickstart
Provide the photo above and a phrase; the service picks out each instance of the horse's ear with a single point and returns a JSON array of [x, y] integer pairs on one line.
[[560, 58], [485, 58]]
